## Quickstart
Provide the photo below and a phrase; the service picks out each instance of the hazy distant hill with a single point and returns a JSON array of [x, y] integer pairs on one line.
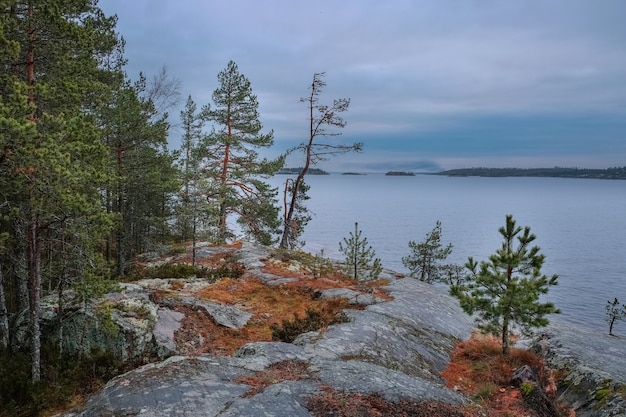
[[609, 173]]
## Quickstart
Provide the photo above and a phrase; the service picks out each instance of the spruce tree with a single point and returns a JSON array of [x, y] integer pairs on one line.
[[230, 158], [361, 261], [504, 292]]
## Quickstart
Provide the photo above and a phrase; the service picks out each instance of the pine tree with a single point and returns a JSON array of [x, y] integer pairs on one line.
[[52, 161], [145, 176], [230, 159], [614, 313], [425, 258], [193, 211], [505, 291], [361, 262], [321, 117]]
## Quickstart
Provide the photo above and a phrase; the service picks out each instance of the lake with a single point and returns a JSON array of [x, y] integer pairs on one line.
[[579, 224]]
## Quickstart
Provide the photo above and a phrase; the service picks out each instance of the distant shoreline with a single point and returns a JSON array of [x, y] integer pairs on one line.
[[557, 172], [609, 173]]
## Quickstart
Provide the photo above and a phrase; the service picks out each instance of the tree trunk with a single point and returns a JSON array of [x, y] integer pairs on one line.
[[34, 272], [223, 178], [4, 318], [505, 335], [21, 272]]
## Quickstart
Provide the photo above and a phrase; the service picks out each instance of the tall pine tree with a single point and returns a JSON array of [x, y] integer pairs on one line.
[[52, 162], [232, 162], [194, 212]]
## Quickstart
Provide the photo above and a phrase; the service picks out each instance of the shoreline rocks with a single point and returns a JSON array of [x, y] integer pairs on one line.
[[392, 348]]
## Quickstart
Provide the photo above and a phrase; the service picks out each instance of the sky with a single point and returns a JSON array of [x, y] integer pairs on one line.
[[433, 84]]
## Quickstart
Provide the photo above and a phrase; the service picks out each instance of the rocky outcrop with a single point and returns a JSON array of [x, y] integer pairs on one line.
[[589, 366], [395, 349]]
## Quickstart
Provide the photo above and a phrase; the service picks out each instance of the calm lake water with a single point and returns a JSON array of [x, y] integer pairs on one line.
[[579, 224]]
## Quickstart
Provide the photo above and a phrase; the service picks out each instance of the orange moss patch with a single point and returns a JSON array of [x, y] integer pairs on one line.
[[346, 404], [479, 370], [269, 305], [288, 370]]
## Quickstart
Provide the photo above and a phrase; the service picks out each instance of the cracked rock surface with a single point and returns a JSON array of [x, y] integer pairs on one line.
[[393, 348]]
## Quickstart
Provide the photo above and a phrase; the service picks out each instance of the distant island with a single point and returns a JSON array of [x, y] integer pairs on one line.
[[296, 171], [609, 173], [352, 173], [400, 173]]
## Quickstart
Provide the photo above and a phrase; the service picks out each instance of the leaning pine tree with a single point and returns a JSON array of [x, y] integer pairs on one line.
[[505, 291]]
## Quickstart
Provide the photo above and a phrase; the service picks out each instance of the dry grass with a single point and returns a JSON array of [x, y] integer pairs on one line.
[[479, 370], [345, 404], [269, 305], [288, 370]]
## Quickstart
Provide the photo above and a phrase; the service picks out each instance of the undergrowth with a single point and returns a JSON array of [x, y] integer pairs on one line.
[[64, 380], [313, 320], [184, 270], [351, 404], [480, 370]]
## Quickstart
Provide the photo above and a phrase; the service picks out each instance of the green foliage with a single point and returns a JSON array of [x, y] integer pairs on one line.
[[424, 263], [614, 313], [235, 172], [53, 163], [485, 391], [193, 212], [105, 319], [361, 262], [527, 388], [144, 174], [317, 264], [505, 291], [228, 269], [314, 320], [63, 377]]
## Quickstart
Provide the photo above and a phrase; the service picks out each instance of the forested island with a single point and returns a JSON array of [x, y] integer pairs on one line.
[[400, 174], [609, 173], [296, 171]]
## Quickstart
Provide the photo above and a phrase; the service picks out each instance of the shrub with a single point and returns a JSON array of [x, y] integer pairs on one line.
[[228, 269], [526, 388]]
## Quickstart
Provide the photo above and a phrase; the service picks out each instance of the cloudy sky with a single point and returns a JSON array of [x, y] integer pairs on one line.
[[434, 84]]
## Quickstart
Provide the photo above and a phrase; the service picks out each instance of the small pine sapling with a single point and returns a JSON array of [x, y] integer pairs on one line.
[[361, 261], [506, 290], [614, 313], [424, 263]]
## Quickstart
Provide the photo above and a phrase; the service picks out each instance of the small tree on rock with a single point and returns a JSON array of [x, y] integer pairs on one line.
[[614, 312], [505, 291], [361, 261], [425, 260]]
